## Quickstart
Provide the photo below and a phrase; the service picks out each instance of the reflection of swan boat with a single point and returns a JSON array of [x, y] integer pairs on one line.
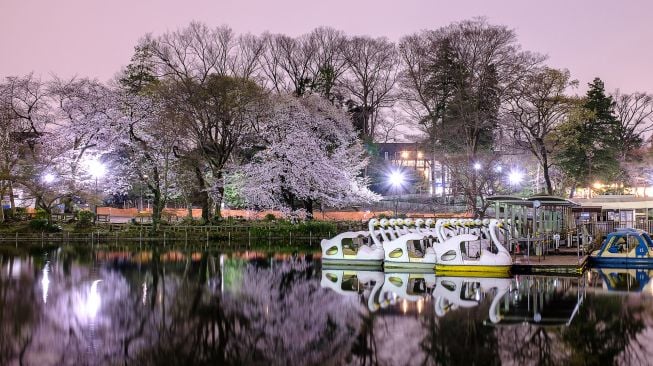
[[466, 253], [408, 286], [541, 301], [625, 247], [625, 279], [352, 283], [464, 292]]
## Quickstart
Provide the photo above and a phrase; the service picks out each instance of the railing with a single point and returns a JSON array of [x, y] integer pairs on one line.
[[222, 240]]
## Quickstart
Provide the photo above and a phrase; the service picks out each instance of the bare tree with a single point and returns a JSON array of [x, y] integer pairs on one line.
[[247, 54], [370, 80], [205, 87], [454, 79], [536, 105], [329, 63], [287, 62], [635, 114]]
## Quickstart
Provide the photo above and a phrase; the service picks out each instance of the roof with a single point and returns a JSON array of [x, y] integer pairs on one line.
[[545, 200]]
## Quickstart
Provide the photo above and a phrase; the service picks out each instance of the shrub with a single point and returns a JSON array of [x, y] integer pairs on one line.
[[269, 217], [43, 225], [41, 214], [85, 219], [189, 221], [38, 224]]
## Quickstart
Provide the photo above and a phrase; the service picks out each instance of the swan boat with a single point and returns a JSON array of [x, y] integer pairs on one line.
[[466, 254], [625, 247], [354, 248]]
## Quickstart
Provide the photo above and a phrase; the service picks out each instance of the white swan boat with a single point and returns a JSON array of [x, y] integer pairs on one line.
[[413, 249], [467, 253], [352, 248]]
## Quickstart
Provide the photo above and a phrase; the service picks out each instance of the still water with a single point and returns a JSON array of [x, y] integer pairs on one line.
[[72, 307]]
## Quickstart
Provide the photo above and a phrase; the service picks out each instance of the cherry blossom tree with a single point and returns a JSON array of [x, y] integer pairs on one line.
[[309, 154]]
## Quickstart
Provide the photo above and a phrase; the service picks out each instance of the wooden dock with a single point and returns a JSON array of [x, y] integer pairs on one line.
[[553, 264]]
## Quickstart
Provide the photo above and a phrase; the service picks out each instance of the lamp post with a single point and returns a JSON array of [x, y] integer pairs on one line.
[[514, 177], [396, 180], [97, 170], [141, 198]]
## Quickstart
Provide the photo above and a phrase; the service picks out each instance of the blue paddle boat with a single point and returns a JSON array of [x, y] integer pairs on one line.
[[625, 247]]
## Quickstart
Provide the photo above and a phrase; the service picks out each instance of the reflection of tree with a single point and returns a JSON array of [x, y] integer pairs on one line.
[[605, 327], [279, 315], [364, 349], [524, 344], [18, 315], [460, 338]]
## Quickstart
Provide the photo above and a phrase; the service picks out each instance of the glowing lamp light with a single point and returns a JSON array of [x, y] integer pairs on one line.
[[498, 169], [396, 178], [404, 154], [598, 185], [477, 166], [515, 177], [48, 178], [96, 169]]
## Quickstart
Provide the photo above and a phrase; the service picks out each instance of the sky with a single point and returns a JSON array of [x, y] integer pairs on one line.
[[95, 38]]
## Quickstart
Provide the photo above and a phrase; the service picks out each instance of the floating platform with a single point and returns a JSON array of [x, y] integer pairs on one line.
[[551, 264]]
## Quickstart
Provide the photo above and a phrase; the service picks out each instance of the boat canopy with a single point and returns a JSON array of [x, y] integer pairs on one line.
[[624, 240]]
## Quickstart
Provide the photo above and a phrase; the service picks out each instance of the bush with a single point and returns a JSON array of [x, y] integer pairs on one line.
[[41, 214], [85, 219], [189, 221], [44, 225], [269, 217], [38, 224]]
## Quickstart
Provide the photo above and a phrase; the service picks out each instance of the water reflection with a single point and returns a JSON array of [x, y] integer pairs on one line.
[[74, 307]]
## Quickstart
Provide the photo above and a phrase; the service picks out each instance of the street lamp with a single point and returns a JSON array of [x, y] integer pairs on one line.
[[396, 179], [48, 178], [515, 177], [477, 166], [141, 198], [97, 170]]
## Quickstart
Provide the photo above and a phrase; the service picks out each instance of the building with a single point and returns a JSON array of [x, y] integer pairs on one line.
[[428, 174]]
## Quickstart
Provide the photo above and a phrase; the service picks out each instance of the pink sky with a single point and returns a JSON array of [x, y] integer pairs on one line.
[[609, 39]]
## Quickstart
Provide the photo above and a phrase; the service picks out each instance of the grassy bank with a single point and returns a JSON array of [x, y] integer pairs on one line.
[[224, 234]]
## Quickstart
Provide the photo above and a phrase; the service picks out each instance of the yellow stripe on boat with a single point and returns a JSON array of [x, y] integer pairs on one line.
[[474, 271]]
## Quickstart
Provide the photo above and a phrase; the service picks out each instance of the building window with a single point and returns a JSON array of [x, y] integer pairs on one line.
[[386, 155]]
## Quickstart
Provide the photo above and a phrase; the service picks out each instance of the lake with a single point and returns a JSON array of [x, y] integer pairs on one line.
[[74, 306]]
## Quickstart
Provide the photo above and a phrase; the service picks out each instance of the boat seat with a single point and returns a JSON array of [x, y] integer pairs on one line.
[[414, 251], [349, 251]]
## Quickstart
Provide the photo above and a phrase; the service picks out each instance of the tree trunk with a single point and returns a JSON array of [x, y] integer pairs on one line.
[[573, 190], [308, 205], [220, 195], [545, 168], [157, 208], [204, 195], [2, 195], [547, 179], [218, 202], [12, 201]]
